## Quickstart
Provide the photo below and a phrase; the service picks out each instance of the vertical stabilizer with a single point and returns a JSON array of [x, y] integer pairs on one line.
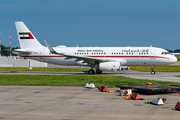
[[26, 38]]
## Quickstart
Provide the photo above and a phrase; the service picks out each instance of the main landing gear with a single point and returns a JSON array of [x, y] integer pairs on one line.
[[91, 71], [152, 70], [98, 71]]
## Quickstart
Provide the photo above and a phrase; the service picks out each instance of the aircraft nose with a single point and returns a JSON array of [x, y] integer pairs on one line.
[[173, 59]]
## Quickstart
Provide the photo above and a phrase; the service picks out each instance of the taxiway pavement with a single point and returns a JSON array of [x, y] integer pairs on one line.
[[79, 103]]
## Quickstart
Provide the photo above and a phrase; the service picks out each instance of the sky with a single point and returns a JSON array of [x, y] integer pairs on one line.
[[112, 23]]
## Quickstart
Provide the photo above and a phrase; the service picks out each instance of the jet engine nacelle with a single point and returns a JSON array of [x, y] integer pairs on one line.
[[81, 63], [110, 66]]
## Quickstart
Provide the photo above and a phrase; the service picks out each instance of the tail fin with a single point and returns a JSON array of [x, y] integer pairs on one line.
[[26, 38]]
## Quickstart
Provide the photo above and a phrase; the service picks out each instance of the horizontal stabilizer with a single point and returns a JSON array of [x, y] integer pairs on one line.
[[20, 51]]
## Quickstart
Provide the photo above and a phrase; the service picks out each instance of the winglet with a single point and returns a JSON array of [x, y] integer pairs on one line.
[[51, 49]]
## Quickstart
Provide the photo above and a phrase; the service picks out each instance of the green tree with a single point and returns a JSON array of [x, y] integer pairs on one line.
[[5, 51]]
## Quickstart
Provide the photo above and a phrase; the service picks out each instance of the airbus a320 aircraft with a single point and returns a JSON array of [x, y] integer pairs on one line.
[[100, 58]]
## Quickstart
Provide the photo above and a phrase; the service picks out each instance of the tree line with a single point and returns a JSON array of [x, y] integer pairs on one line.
[[173, 51], [5, 51]]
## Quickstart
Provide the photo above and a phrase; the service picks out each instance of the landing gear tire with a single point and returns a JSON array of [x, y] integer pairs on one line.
[[98, 71], [91, 72], [153, 72]]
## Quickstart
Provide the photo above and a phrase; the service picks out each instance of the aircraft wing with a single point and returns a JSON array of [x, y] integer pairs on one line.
[[89, 60]]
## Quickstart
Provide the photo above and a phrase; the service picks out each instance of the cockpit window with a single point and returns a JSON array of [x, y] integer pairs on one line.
[[165, 53]]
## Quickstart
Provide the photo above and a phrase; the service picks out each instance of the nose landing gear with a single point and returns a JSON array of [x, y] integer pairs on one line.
[[152, 70]]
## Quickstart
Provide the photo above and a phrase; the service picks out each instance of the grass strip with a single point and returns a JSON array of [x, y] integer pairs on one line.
[[178, 58], [165, 68], [74, 80]]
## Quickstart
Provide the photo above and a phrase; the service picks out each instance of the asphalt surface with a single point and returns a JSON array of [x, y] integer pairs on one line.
[[161, 76], [177, 63], [79, 103]]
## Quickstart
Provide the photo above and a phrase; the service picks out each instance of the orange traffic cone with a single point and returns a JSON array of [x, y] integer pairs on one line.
[[136, 96], [177, 107], [104, 89]]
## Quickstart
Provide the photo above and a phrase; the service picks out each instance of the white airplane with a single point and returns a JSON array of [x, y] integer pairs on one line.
[[100, 58]]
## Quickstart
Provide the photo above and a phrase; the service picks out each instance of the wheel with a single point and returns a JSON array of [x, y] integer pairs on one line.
[[153, 72], [98, 71], [91, 72], [127, 68]]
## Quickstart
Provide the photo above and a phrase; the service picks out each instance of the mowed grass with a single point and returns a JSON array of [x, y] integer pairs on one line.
[[44, 69], [165, 68], [178, 58], [73, 80]]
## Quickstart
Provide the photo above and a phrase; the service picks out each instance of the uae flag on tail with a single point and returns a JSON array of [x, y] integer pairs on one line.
[[26, 35]]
